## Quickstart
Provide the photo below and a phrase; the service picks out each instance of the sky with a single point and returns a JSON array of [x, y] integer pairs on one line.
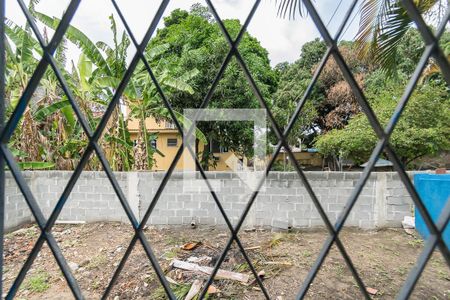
[[283, 38]]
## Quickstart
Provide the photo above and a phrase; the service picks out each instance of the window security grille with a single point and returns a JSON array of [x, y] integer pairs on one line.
[[45, 225]]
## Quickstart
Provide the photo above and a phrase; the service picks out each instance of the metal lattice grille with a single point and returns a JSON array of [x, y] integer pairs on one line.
[[45, 225]]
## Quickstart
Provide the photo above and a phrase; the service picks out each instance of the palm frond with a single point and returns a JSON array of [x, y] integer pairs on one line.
[[383, 24], [290, 8]]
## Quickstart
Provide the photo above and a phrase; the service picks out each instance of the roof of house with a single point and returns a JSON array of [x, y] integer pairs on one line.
[[380, 163]]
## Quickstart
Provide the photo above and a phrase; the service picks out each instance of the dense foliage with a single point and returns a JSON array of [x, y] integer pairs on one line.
[[423, 129], [195, 41], [185, 56]]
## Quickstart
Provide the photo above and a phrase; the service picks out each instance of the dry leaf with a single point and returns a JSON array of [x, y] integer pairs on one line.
[[170, 280], [213, 290], [191, 245], [371, 291]]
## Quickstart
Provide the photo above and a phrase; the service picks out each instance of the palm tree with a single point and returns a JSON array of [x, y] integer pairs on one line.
[[383, 23]]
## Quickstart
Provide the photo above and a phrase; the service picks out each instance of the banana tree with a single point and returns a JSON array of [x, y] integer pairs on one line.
[[30, 144], [100, 81], [98, 63]]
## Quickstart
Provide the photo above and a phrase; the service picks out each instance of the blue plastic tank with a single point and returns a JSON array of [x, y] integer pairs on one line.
[[434, 190]]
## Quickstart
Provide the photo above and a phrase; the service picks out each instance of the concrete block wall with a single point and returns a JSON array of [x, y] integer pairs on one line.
[[16, 209], [92, 198], [284, 201]]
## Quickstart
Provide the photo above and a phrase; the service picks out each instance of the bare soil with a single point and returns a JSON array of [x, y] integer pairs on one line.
[[382, 258]]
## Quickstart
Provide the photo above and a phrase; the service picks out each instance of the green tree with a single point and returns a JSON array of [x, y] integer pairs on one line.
[[423, 129], [331, 103], [196, 42]]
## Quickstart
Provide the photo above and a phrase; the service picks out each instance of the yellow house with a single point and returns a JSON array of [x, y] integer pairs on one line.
[[169, 141]]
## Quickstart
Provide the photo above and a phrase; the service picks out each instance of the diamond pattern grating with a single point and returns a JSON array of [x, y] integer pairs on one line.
[[45, 225]]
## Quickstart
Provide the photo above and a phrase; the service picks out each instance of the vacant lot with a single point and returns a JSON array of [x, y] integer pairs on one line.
[[382, 258]]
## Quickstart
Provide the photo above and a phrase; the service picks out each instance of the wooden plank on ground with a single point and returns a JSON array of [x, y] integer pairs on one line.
[[221, 274]]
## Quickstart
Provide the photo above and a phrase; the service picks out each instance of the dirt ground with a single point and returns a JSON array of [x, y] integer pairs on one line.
[[383, 259]]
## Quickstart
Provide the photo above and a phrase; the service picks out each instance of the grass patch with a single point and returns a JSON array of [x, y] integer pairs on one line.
[[443, 275], [242, 267], [180, 291], [96, 262], [277, 239], [307, 253], [38, 282], [416, 243], [172, 253]]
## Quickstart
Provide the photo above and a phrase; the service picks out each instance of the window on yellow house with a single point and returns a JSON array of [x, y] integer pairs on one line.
[[172, 142], [215, 147]]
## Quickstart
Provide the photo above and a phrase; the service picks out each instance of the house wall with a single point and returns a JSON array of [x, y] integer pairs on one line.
[[305, 158], [282, 202]]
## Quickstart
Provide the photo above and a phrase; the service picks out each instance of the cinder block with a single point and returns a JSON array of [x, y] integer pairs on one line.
[[361, 215], [78, 196], [158, 220], [322, 191], [183, 213], [187, 220], [78, 212], [239, 190], [85, 188], [344, 183], [280, 191], [238, 206], [280, 224], [366, 224], [314, 175], [286, 206], [109, 197], [208, 205], [314, 222], [101, 189], [173, 205], [397, 192], [231, 183], [98, 204], [182, 198], [338, 176], [191, 204], [332, 207], [282, 215], [175, 220], [398, 200], [222, 175], [279, 198], [303, 207], [167, 213], [207, 220], [300, 223], [352, 175]]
